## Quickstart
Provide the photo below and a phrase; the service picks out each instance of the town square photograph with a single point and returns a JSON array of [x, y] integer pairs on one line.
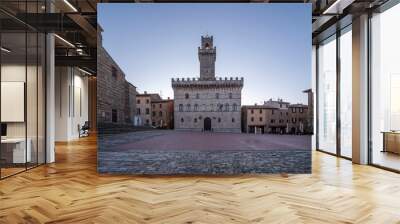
[[204, 89]]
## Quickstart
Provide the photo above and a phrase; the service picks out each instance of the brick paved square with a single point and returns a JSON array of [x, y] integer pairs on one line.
[[179, 152]]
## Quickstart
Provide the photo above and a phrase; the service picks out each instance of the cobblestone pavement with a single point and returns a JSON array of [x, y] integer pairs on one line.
[[170, 140], [169, 152]]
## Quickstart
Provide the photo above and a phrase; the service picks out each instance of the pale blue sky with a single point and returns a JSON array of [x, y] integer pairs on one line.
[[267, 44]]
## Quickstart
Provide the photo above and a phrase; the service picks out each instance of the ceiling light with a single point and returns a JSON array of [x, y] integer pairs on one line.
[[338, 6], [84, 71], [64, 40], [70, 5], [5, 50]]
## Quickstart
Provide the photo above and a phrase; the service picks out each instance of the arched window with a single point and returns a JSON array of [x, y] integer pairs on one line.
[[226, 107], [233, 120], [195, 120], [230, 95], [182, 120], [219, 120], [188, 107], [234, 107], [220, 107], [180, 107], [196, 107], [186, 95]]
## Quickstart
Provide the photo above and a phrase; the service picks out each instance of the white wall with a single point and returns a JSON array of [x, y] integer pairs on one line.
[[71, 103]]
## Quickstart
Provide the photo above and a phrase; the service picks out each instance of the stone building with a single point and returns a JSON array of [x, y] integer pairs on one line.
[[309, 126], [144, 109], [275, 117], [207, 103], [116, 97], [162, 114]]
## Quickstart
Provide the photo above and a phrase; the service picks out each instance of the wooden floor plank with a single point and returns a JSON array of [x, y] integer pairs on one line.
[[71, 191]]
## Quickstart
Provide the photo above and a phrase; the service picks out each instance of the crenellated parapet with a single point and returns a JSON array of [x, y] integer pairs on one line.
[[217, 82]]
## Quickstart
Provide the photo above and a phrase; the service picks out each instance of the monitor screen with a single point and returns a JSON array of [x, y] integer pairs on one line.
[[3, 129]]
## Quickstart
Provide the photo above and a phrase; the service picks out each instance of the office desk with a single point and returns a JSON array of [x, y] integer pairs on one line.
[[391, 142], [17, 148]]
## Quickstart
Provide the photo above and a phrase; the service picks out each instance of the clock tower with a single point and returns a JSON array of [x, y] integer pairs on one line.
[[207, 55]]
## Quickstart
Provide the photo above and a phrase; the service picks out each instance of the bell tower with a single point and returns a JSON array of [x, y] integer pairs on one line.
[[207, 56]]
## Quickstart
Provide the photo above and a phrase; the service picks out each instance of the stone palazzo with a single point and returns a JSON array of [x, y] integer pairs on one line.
[[207, 103]]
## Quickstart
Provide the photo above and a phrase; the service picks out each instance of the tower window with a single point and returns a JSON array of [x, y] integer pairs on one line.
[[182, 120], [234, 107], [186, 95]]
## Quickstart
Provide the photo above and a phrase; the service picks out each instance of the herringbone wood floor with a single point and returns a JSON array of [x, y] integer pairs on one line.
[[70, 191]]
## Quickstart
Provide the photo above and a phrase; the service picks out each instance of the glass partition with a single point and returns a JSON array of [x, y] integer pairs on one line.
[[346, 93], [385, 89], [13, 94], [22, 77], [327, 95]]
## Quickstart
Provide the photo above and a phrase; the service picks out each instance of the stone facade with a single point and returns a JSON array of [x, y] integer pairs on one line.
[[207, 103], [275, 117], [309, 126], [162, 114], [144, 109], [116, 97]]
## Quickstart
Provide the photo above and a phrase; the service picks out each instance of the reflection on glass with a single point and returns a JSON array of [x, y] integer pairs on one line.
[[346, 94], [327, 96], [385, 95], [13, 86]]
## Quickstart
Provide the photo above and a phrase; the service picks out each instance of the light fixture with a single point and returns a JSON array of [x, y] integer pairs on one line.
[[337, 7], [84, 71], [70, 5], [64, 40], [5, 50]]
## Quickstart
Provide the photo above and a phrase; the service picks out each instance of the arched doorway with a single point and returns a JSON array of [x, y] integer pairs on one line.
[[207, 124]]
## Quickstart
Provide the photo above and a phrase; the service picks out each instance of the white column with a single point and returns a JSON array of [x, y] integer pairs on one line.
[[360, 90], [50, 99]]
